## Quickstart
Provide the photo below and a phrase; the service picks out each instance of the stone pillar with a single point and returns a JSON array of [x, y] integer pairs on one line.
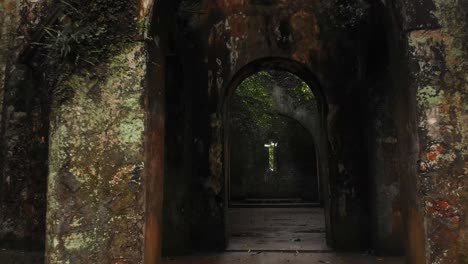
[[96, 163], [438, 60]]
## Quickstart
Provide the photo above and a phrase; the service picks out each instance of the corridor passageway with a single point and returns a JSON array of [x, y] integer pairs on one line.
[[233, 131], [274, 197]]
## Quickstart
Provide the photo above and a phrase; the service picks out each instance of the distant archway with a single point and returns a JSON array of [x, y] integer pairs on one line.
[[320, 138]]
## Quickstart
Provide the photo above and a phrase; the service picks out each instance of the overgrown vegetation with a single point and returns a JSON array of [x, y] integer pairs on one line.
[[252, 105], [85, 34], [254, 112], [88, 31]]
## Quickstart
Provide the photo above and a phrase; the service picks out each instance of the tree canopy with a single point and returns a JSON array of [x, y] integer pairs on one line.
[[254, 111]]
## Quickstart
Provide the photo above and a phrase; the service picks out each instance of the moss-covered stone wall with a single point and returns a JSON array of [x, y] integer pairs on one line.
[[97, 93], [95, 197], [90, 71], [439, 70], [429, 76]]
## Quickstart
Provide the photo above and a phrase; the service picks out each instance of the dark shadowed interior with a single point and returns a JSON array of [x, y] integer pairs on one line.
[[274, 194], [233, 131]]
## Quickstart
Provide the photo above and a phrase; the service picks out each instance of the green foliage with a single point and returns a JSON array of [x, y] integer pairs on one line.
[[88, 31], [251, 105], [253, 109]]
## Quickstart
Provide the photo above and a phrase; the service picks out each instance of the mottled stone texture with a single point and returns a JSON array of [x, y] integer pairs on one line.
[[438, 61], [96, 158], [96, 161], [95, 196]]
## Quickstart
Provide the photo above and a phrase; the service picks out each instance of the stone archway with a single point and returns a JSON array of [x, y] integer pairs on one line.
[[106, 158], [317, 127]]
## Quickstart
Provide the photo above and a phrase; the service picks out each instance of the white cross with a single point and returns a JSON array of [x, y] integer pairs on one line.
[[271, 154]]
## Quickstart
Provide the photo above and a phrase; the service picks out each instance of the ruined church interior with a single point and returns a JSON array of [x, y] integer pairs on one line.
[[233, 131]]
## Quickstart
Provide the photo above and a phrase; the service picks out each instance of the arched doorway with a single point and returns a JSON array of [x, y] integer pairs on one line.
[[273, 184], [290, 92]]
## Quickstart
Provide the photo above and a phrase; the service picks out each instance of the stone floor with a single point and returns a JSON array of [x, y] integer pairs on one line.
[[234, 258], [278, 236], [281, 258], [277, 229], [20, 257], [259, 236]]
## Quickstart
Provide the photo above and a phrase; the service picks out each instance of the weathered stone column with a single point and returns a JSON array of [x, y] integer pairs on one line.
[[439, 73], [96, 195]]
